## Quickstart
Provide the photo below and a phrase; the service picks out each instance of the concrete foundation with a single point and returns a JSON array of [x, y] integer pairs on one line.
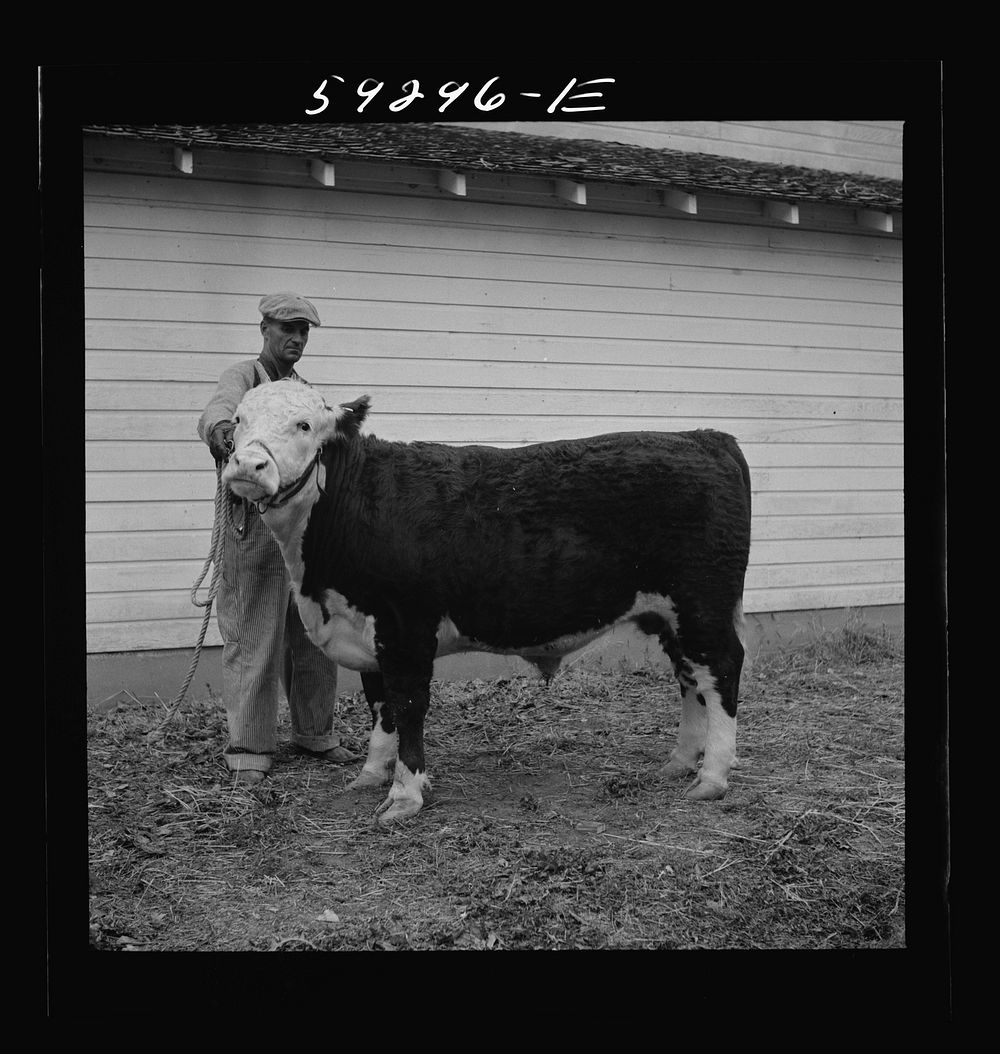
[[160, 674]]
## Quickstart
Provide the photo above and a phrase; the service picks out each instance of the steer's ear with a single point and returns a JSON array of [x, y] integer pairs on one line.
[[353, 415]]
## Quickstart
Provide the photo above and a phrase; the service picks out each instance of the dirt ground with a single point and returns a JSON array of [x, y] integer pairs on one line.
[[547, 827]]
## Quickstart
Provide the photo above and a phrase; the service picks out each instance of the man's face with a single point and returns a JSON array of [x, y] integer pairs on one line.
[[284, 342]]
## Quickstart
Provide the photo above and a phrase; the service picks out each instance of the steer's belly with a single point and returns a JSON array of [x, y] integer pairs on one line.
[[452, 639], [347, 635]]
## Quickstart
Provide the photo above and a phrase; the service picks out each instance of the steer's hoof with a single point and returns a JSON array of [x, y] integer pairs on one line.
[[705, 790], [368, 779], [392, 810]]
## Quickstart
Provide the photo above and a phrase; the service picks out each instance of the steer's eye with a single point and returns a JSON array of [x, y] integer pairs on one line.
[[236, 419], [304, 425]]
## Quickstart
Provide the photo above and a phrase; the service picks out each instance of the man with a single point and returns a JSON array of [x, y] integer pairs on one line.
[[264, 643]]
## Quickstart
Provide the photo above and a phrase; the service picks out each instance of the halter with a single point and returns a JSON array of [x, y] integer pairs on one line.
[[284, 494]]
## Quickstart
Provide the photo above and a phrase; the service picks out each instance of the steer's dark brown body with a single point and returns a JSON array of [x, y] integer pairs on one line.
[[527, 551]]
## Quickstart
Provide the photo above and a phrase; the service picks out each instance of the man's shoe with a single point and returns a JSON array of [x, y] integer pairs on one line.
[[248, 776], [339, 755]]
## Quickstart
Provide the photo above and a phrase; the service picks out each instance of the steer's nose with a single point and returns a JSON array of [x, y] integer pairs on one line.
[[249, 460], [251, 472]]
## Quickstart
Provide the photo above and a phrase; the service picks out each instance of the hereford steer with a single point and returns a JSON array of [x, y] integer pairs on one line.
[[400, 552]]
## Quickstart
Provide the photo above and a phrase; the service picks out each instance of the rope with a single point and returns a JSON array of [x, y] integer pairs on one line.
[[223, 518]]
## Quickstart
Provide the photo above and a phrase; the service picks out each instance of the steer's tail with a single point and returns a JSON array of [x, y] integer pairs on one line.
[[722, 442], [729, 445], [740, 624], [724, 445], [736, 454], [739, 620]]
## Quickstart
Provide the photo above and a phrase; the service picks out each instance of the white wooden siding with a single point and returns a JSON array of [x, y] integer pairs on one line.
[[871, 147], [490, 323]]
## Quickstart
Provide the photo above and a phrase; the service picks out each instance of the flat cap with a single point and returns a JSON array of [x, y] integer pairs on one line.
[[286, 307]]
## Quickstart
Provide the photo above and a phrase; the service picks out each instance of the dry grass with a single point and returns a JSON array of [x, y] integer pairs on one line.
[[548, 827]]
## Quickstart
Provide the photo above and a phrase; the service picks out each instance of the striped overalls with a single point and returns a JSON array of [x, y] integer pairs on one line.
[[266, 654]]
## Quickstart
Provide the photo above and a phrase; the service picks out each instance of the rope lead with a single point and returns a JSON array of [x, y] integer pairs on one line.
[[223, 517]]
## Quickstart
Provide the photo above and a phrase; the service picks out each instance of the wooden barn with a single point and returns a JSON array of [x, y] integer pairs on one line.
[[502, 284]]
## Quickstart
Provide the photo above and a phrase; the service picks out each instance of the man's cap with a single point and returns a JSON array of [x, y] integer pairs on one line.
[[288, 307]]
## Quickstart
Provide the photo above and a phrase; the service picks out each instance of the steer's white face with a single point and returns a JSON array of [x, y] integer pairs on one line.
[[279, 430]]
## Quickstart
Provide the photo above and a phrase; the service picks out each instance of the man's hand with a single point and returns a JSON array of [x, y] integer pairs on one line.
[[220, 442]]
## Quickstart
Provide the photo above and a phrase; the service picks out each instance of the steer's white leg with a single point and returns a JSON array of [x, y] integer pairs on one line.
[[383, 747], [406, 796], [720, 740], [691, 735]]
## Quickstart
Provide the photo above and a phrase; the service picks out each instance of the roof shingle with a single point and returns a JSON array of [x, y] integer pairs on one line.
[[582, 160]]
